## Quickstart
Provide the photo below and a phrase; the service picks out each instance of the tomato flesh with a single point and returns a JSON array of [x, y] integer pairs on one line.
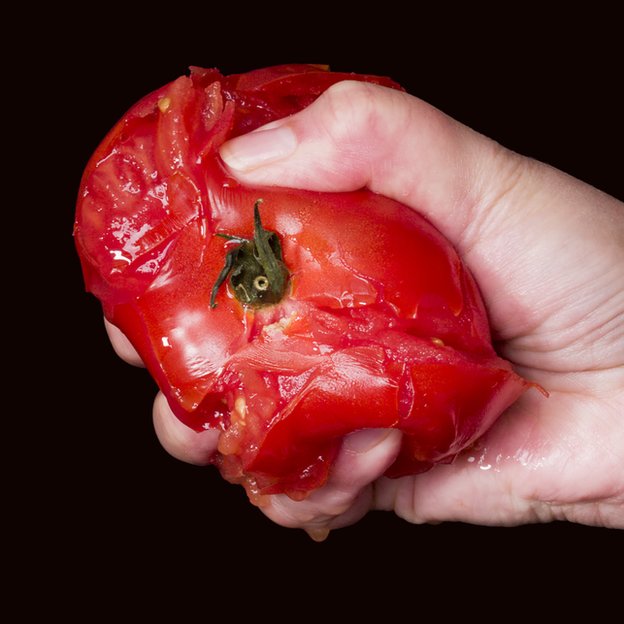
[[381, 325]]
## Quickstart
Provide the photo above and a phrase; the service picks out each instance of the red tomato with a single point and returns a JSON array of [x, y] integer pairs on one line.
[[366, 317]]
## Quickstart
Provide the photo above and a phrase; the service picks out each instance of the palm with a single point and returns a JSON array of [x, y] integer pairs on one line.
[[540, 450]]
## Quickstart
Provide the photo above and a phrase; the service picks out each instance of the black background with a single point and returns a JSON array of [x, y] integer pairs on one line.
[[100, 511]]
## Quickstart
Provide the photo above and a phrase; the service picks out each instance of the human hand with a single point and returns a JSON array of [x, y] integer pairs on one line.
[[548, 254]]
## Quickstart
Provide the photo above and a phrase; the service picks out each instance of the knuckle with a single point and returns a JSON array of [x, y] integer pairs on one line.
[[364, 120], [320, 508], [350, 107]]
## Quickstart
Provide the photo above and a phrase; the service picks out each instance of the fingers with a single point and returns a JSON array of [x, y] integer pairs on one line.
[[345, 498], [348, 494], [179, 440], [122, 346], [176, 438]]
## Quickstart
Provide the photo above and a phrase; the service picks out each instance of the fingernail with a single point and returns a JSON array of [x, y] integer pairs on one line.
[[259, 148], [364, 440]]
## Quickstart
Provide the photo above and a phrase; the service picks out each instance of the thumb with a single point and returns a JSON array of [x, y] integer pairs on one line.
[[359, 135], [524, 229]]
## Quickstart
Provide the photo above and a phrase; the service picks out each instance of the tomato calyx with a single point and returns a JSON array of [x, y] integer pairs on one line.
[[258, 275]]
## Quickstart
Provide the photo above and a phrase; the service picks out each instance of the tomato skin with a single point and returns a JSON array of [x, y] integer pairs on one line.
[[381, 324]]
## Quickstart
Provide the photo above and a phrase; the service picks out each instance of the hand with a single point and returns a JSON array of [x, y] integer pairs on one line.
[[548, 253]]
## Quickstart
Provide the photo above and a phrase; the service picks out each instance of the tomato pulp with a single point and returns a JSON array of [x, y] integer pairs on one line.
[[377, 322]]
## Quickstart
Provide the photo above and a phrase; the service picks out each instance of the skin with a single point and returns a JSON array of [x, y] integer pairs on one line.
[[548, 253]]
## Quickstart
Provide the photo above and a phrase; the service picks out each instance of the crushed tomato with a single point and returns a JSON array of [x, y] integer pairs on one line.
[[380, 324]]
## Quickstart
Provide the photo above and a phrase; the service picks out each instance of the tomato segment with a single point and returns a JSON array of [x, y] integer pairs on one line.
[[379, 324]]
